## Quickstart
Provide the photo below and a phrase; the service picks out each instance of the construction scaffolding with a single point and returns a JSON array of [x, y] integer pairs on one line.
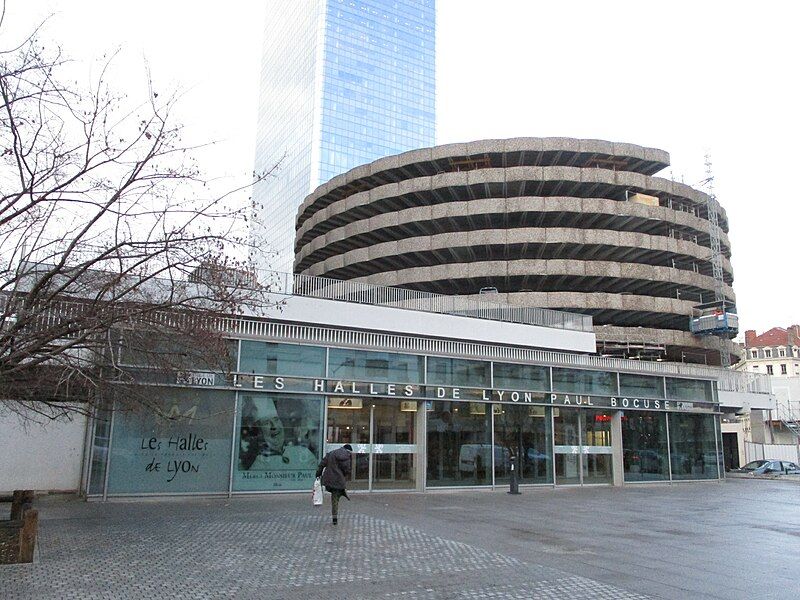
[[718, 318]]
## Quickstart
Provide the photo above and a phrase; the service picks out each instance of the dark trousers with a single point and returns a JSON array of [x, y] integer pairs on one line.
[[336, 494]]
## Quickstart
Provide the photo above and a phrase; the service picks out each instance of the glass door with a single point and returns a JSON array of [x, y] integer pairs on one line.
[[583, 453], [567, 441], [394, 451], [349, 423], [383, 434], [596, 440]]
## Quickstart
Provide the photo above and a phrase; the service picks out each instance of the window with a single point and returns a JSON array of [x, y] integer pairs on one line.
[[279, 441], [755, 367], [460, 444], [781, 352], [641, 385], [783, 370], [689, 389], [521, 377], [693, 446], [375, 366], [456, 372], [768, 352], [148, 453], [769, 370], [644, 446], [753, 353], [584, 382]]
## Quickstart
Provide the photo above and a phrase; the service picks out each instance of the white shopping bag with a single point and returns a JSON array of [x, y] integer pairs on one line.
[[316, 492]]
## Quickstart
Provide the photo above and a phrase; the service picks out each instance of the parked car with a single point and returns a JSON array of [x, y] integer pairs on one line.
[[762, 467], [475, 458]]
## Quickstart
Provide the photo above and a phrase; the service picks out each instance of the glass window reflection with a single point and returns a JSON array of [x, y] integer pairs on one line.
[[525, 431], [689, 389], [282, 359], [571, 381], [457, 372], [459, 444], [692, 446], [644, 446], [521, 377], [641, 386], [375, 366]]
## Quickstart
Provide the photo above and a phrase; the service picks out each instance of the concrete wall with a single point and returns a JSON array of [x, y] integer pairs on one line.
[[40, 457], [746, 401]]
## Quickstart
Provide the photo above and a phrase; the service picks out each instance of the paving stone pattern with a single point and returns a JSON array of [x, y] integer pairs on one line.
[[132, 552], [697, 541]]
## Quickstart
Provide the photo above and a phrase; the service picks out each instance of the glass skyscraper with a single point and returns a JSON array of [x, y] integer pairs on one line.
[[343, 82]]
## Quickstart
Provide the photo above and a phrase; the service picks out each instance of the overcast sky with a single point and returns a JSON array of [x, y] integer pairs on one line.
[[689, 77]]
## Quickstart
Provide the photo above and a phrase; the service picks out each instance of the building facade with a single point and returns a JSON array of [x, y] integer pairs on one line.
[[577, 225], [776, 353], [343, 82], [428, 398]]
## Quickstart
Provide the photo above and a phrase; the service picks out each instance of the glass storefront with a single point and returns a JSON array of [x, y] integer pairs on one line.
[[100, 442], [278, 445], [583, 446], [184, 447], [644, 446], [267, 428], [383, 434], [459, 444], [394, 444], [597, 448], [521, 377], [350, 423], [525, 432], [689, 389], [567, 442], [693, 449]]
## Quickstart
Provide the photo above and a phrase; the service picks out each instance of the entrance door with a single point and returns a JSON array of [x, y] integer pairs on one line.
[[583, 452], [383, 434], [730, 449]]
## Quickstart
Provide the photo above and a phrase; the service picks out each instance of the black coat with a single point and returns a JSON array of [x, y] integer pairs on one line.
[[335, 468]]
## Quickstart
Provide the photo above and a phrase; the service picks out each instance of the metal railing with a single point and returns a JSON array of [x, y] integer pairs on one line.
[[395, 297], [742, 381]]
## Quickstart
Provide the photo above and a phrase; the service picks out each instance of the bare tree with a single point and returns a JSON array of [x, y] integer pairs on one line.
[[110, 238]]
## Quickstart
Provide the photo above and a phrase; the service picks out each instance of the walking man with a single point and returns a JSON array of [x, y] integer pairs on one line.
[[334, 471]]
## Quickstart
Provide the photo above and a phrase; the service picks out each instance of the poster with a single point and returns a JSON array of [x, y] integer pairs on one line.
[[279, 442], [185, 448]]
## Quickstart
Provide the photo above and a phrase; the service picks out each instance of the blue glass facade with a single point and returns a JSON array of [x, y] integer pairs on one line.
[[343, 82]]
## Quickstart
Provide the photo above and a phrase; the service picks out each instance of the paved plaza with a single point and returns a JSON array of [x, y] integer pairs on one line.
[[737, 539]]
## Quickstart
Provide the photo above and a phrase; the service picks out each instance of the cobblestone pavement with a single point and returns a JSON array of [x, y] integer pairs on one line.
[[276, 556], [455, 545]]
